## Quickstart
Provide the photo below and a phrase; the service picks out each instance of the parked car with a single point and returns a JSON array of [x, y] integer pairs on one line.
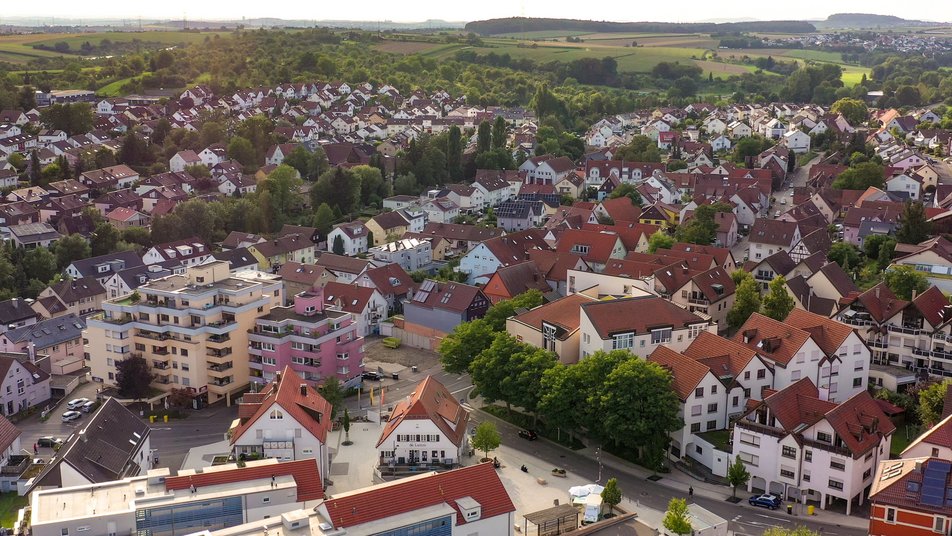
[[88, 406], [71, 416], [49, 442], [528, 434], [766, 501], [372, 376], [76, 403]]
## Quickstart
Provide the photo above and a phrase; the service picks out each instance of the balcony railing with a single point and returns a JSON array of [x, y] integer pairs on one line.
[[221, 367], [160, 350], [218, 353], [224, 337], [699, 301], [153, 335], [161, 365], [221, 382], [908, 330]]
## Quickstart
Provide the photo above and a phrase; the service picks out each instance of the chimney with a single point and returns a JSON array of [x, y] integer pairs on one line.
[[304, 389], [277, 377], [913, 295], [877, 292]]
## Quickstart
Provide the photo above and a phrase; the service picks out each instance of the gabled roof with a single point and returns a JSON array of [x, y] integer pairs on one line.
[[342, 263], [391, 279], [479, 482], [773, 339], [348, 298], [900, 483], [520, 277], [686, 373], [8, 433], [725, 358], [306, 474], [600, 245], [879, 302], [939, 435], [563, 313], [840, 280], [638, 315], [514, 248], [827, 333], [933, 305], [308, 408], [15, 310], [450, 296], [804, 294], [77, 289], [111, 263], [432, 401], [774, 232], [49, 332]]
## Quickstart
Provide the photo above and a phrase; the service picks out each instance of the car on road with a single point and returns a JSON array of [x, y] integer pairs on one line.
[[76, 403], [48, 442], [765, 501], [528, 434], [71, 416], [372, 376]]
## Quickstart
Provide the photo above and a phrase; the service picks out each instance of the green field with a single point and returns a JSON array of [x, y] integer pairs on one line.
[[18, 48]]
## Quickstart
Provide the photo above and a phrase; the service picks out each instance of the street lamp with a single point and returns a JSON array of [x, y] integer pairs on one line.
[[598, 458]]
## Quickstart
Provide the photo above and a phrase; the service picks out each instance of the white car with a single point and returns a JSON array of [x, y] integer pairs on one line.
[[71, 416], [76, 403]]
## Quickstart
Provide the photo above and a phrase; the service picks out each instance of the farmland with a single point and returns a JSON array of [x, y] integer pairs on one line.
[[19, 48]]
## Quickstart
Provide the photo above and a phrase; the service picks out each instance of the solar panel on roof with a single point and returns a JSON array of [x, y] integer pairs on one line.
[[933, 482]]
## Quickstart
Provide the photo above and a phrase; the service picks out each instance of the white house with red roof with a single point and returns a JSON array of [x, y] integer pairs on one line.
[[935, 442], [288, 420], [353, 235], [427, 428], [367, 305]]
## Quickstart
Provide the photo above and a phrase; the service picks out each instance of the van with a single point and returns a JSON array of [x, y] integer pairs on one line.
[[88, 406]]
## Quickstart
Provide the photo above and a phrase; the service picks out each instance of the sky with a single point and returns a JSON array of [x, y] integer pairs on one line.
[[416, 10]]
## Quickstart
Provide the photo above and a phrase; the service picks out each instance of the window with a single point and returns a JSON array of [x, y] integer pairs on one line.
[[935, 453], [835, 484], [808, 455], [787, 473], [824, 437], [695, 410], [269, 361], [789, 452], [749, 439], [267, 346], [890, 515], [795, 375], [698, 449], [699, 392], [747, 392], [939, 524], [64, 531], [659, 336], [711, 425], [867, 473], [761, 374], [713, 389], [712, 408], [857, 382], [735, 401], [749, 459], [695, 427], [266, 499], [859, 365], [806, 476], [623, 341], [746, 374], [276, 415]]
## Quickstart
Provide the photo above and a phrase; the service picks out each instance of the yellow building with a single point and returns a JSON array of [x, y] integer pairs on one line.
[[192, 329]]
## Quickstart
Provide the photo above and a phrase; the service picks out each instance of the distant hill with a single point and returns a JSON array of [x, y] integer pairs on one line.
[[869, 20], [525, 24]]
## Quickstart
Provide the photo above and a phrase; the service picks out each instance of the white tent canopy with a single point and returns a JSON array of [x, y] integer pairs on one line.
[[583, 491]]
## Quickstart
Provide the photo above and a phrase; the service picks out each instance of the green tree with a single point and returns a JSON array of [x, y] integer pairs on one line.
[[746, 301], [737, 475], [853, 110], [629, 191], [483, 137], [860, 177], [676, 518], [76, 118], [659, 240], [844, 254], [346, 426], [915, 227], [332, 392], [309, 164], [490, 369], [497, 314], [523, 385], [749, 146], [133, 378], [461, 346], [885, 254], [338, 247], [339, 188], [161, 130], [71, 248], [872, 244], [486, 438], [454, 153], [611, 495], [499, 133], [323, 219], [406, 184], [903, 280], [702, 227], [639, 149], [104, 239], [134, 151], [778, 303], [797, 531], [39, 264], [373, 188], [932, 402], [36, 170], [259, 131], [240, 149]]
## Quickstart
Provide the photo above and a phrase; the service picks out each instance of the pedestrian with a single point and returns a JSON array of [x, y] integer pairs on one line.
[[691, 491], [36, 448]]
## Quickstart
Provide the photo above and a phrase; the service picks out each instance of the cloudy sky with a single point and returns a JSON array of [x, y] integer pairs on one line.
[[416, 10]]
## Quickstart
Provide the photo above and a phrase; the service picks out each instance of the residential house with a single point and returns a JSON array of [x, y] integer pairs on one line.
[[936, 442], [553, 326], [770, 236], [348, 238], [910, 497], [441, 306], [387, 226], [300, 277], [33, 235], [23, 383], [367, 305], [411, 254], [77, 297], [178, 255], [392, 282], [511, 281], [183, 160], [710, 292], [16, 313], [271, 254], [481, 262]]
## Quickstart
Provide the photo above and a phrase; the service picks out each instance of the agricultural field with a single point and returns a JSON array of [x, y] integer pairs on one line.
[[408, 47], [18, 48]]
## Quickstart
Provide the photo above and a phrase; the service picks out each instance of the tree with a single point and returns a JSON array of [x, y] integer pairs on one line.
[[611, 495], [339, 188], [885, 253], [844, 254], [240, 149], [778, 303], [179, 398], [676, 519], [323, 219], [497, 314], [373, 188], [39, 264], [915, 227], [639, 149], [161, 130], [853, 110], [483, 137], [333, 393], [104, 239], [499, 133], [737, 475], [134, 151], [75, 118], [467, 340], [338, 247], [35, 168], [931, 402], [659, 240], [873, 244], [746, 301], [454, 154], [406, 184], [860, 177], [133, 378], [71, 248], [486, 438], [309, 164], [702, 227], [490, 370], [629, 191], [283, 187], [346, 426], [903, 280]]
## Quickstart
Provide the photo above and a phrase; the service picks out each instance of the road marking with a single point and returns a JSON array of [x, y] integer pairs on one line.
[[161, 428], [461, 390]]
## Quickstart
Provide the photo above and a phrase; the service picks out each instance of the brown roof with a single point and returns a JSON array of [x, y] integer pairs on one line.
[[860, 423], [518, 278], [939, 435], [686, 373], [556, 265], [391, 279], [723, 356], [879, 301], [449, 296], [775, 232], [431, 400], [563, 312], [893, 484], [514, 248], [827, 333], [306, 274], [600, 244], [348, 298], [720, 254], [771, 338], [715, 284], [453, 231], [621, 209], [933, 305], [804, 294], [638, 315], [283, 245], [306, 474], [390, 220], [309, 409], [8, 433], [342, 263], [840, 280]]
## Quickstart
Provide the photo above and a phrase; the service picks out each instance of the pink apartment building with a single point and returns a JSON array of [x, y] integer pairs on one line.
[[315, 342]]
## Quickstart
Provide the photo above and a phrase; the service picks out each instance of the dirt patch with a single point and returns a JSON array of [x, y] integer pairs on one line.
[[721, 68], [376, 352], [405, 47]]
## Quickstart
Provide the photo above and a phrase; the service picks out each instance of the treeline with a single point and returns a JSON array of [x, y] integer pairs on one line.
[[525, 24]]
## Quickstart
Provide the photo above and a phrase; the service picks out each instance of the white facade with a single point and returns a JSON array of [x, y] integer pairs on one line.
[[419, 440], [279, 435], [352, 246], [639, 344]]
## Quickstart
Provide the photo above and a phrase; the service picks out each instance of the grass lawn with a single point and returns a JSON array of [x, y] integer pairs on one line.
[[525, 421], [805, 157], [9, 504], [901, 439], [718, 438]]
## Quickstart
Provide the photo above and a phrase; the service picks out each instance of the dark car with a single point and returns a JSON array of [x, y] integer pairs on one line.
[[765, 501], [48, 442], [372, 376], [528, 434]]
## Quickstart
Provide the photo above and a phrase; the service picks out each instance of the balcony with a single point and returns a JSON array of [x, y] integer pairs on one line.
[[160, 365], [222, 382], [218, 353], [221, 367], [162, 380], [699, 301], [160, 350], [218, 339], [907, 330], [879, 344], [117, 320], [151, 335]]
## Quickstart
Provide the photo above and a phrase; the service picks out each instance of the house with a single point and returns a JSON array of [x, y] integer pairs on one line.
[[387, 226], [33, 235], [441, 210], [910, 497], [710, 292], [344, 269], [103, 266], [23, 383], [120, 176], [638, 324], [441, 306], [551, 171], [125, 282], [238, 259], [392, 282], [770, 236], [596, 248], [271, 254], [425, 429], [277, 153], [367, 305], [112, 428], [935, 442], [727, 228], [482, 261], [797, 141], [177, 255], [803, 447], [78, 297], [16, 313], [904, 187], [300, 277], [123, 218], [183, 160], [287, 420], [61, 339], [411, 254], [511, 281], [553, 326], [348, 238], [9, 447]]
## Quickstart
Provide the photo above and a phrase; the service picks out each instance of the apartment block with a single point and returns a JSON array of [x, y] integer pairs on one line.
[[192, 328]]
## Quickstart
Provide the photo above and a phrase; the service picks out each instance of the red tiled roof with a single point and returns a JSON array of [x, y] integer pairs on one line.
[[686, 373], [723, 356], [351, 298], [310, 410], [933, 305], [894, 490], [939, 435], [563, 312], [8, 433], [306, 475], [403, 496], [771, 338], [430, 400], [638, 315], [827, 333], [600, 244]]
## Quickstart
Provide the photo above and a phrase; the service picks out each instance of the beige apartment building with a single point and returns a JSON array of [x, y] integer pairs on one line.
[[192, 328]]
